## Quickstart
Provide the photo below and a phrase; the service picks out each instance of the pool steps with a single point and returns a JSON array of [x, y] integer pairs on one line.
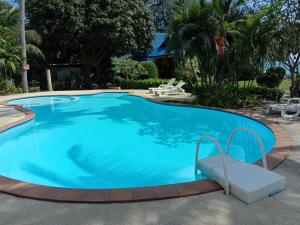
[[246, 181]]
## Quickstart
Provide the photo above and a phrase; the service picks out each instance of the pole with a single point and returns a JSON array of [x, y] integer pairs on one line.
[[49, 81], [23, 44]]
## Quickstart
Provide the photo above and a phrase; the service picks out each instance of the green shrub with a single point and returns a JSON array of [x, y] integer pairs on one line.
[[8, 87], [139, 84], [152, 71], [34, 86], [272, 78], [235, 97], [34, 89], [128, 68]]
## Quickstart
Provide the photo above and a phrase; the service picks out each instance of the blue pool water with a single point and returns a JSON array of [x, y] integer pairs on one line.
[[118, 141]]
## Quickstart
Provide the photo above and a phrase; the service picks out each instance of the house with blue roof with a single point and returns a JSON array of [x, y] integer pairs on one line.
[[163, 59]]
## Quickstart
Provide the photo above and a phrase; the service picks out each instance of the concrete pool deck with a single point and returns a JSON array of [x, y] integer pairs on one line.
[[212, 209]]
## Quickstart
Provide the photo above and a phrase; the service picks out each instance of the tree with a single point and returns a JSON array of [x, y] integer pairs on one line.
[[90, 31], [9, 59], [255, 42], [229, 43], [192, 36], [23, 46], [10, 48], [286, 45], [197, 30], [163, 12]]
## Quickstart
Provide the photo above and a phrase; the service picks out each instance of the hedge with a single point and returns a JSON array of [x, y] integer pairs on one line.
[[235, 97], [140, 84]]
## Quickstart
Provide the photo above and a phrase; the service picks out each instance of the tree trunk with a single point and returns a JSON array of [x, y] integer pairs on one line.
[[23, 43], [292, 89]]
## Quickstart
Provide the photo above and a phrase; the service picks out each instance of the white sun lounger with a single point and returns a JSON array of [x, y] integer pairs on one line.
[[292, 105], [163, 86], [288, 113], [289, 110], [171, 91]]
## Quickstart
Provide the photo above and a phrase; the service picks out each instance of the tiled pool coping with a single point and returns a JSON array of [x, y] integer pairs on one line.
[[27, 190]]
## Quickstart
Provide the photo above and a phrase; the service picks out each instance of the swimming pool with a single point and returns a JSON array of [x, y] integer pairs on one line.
[[115, 140]]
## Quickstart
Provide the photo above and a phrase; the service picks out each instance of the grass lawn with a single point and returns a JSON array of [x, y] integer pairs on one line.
[[285, 85]]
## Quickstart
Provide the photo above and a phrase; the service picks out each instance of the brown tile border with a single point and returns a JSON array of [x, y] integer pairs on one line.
[[275, 157]]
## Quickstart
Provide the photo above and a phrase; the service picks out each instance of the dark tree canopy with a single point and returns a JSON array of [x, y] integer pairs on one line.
[[163, 11], [91, 31]]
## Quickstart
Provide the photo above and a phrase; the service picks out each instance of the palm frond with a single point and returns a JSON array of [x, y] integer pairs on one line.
[[35, 51], [33, 37]]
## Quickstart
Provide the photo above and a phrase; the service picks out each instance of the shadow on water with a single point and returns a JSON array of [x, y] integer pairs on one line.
[[109, 172], [169, 125], [47, 174]]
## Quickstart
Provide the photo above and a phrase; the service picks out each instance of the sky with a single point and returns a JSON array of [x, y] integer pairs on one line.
[[13, 2]]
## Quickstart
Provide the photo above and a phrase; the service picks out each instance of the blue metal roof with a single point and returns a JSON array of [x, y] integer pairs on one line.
[[157, 53], [159, 40], [159, 46]]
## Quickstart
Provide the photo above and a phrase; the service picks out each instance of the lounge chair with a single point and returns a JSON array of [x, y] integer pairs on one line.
[[289, 110], [163, 86], [287, 113], [171, 91], [292, 105]]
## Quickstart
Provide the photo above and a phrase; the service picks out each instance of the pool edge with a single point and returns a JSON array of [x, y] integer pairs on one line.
[[275, 157]]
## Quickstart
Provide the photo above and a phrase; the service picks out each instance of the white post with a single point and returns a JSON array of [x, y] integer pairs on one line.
[[49, 81]]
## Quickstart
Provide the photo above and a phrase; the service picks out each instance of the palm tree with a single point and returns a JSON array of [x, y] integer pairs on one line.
[[9, 59], [256, 37], [23, 44], [199, 29], [34, 40], [10, 48]]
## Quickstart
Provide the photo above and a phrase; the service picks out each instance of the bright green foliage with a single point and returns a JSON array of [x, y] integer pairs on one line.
[[10, 50], [272, 78], [255, 41], [193, 33], [152, 71], [9, 59], [8, 87], [128, 68], [247, 39], [8, 20], [91, 31]]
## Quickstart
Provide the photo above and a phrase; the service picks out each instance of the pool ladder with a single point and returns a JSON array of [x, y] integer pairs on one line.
[[224, 157]]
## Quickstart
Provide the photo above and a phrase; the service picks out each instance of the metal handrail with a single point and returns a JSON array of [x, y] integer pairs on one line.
[[262, 147], [212, 139]]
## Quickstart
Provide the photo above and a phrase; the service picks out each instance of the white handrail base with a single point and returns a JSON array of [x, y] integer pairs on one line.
[[212, 139]]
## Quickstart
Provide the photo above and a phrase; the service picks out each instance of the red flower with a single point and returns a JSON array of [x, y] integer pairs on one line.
[[220, 46]]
